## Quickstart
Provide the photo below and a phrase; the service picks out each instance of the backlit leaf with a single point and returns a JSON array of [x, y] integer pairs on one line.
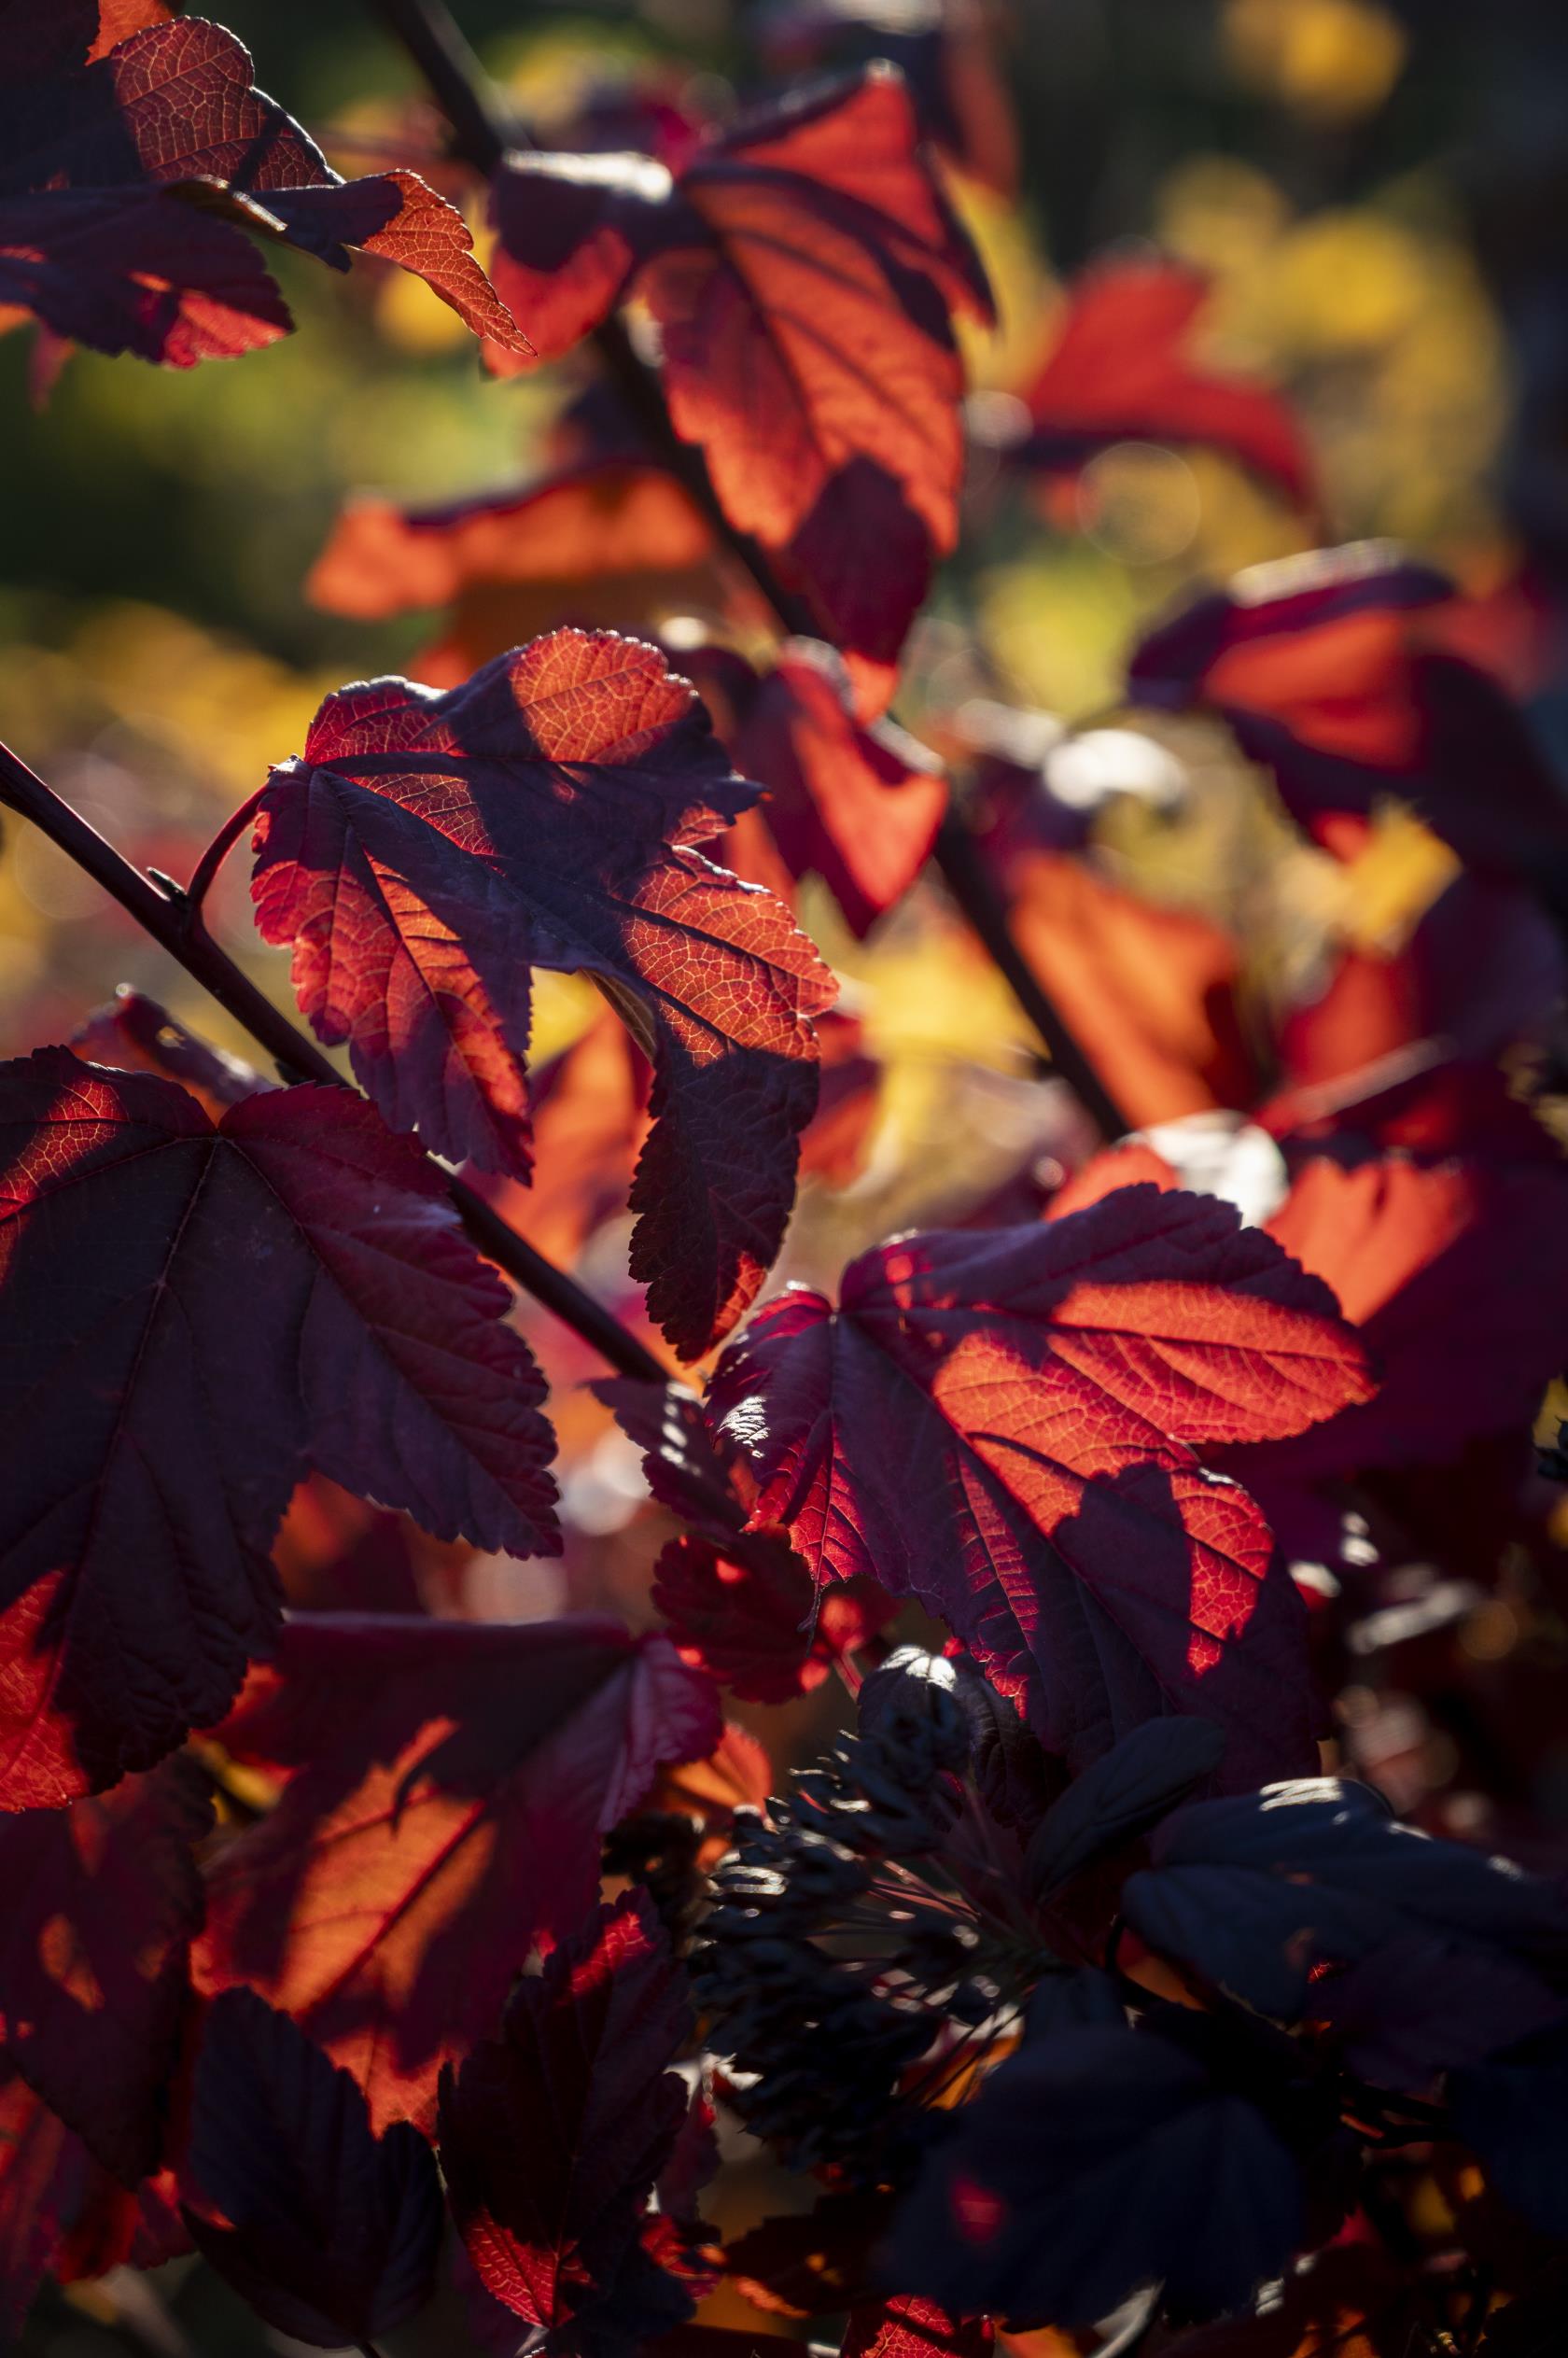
[[225, 1307], [128, 182], [998, 1424], [553, 2134], [449, 1787], [427, 849]]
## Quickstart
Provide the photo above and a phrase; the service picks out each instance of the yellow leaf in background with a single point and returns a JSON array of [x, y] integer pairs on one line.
[[1028, 299], [1388, 887], [1330, 60], [413, 318]]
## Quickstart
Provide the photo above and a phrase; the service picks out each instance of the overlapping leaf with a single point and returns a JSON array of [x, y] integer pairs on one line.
[[612, 542], [330, 2232], [131, 172], [553, 2134], [1124, 369], [1096, 2161], [94, 1957], [1258, 1894], [998, 1425], [194, 1315], [427, 849], [802, 269], [1331, 670], [858, 806], [1452, 1265], [449, 1787]]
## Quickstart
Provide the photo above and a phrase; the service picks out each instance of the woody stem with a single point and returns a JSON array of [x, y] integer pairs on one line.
[[481, 134], [172, 918]]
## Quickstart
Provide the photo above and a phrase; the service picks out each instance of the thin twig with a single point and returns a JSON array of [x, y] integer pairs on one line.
[[164, 911], [481, 134]]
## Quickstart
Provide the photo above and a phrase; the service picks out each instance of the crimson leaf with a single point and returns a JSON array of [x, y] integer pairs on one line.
[[427, 849], [787, 250], [553, 2135], [998, 1424], [129, 179], [1122, 369], [330, 2232], [194, 1314], [456, 1782], [94, 1957]]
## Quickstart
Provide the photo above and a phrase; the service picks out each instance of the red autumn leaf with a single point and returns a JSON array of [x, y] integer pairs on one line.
[[222, 1307], [330, 2232], [104, 1897], [1149, 992], [786, 250], [738, 1599], [909, 2327], [135, 1035], [448, 1785], [1122, 369], [1449, 1262], [998, 1424], [590, 1123], [553, 2134], [865, 610], [131, 179], [858, 806], [614, 544], [1456, 1274], [1331, 669], [427, 849], [754, 1619]]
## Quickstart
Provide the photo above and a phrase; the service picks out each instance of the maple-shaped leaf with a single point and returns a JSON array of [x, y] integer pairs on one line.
[[130, 175], [802, 269], [94, 1957], [612, 543], [194, 1314], [553, 2134], [1450, 1264], [856, 804], [1122, 369], [330, 2232], [448, 1785], [1332, 670], [429, 848], [999, 1425]]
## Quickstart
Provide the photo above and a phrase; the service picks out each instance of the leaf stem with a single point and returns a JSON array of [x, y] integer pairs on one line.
[[217, 851], [172, 919], [480, 135]]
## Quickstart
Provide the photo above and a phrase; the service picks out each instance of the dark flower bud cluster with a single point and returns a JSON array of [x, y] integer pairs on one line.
[[837, 1951]]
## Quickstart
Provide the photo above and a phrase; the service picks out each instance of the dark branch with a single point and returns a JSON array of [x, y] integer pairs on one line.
[[480, 135], [172, 921]]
